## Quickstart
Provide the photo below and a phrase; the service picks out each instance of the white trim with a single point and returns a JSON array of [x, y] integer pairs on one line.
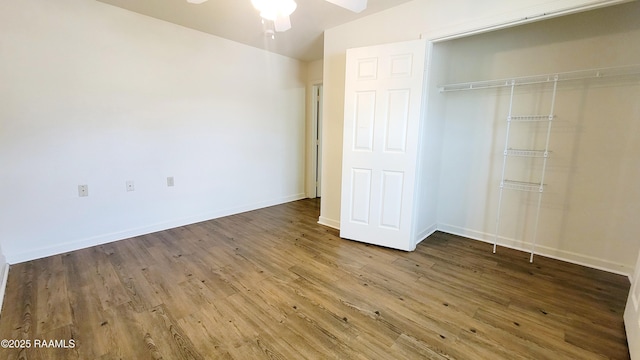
[[449, 34], [568, 256], [426, 233], [329, 222], [312, 135], [3, 285], [37, 253], [562, 255]]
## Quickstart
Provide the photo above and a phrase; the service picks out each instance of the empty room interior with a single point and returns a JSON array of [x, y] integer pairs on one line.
[[199, 180]]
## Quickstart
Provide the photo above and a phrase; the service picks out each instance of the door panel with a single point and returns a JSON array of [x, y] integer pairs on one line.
[[397, 120], [361, 194], [391, 207], [401, 65], [367, 69], [383, 98], [365, 112]]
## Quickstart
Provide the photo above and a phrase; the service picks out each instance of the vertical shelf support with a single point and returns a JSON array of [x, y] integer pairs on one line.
[[524, 186], [504, 166], [544, 167]]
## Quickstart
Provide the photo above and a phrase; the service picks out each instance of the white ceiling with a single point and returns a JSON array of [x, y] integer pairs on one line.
[[237, 20]]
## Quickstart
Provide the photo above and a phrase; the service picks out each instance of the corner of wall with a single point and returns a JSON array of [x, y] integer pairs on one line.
[[425, 233], [59, 248], [329, 222], [4, 275], [541, 250]]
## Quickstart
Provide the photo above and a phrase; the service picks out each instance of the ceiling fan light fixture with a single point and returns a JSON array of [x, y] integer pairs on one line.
[[274, 9]]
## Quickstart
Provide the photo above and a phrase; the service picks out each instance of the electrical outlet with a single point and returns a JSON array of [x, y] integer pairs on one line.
[[170, 181], [130, 186], [83, 190]]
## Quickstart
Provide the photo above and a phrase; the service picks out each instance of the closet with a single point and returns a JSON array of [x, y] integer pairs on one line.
[[544, 86]]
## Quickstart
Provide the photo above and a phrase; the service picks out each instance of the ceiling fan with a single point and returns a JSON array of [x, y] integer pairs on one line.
[[279, 11]]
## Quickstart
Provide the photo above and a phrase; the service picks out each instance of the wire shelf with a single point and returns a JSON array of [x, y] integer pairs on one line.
[[527, 153], [522, 186], [546, 78], [531, 118]]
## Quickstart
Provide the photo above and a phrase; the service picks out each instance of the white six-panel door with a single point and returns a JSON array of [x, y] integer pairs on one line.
[[383, 102]]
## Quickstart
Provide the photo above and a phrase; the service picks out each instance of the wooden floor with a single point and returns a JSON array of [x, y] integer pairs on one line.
[[274, 284]]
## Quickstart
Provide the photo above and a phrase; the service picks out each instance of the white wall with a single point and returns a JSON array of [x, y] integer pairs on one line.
[[4, 273], [3, 261], [428, 187], [592, 203], [93, 94], [314, 72], [431, 19]]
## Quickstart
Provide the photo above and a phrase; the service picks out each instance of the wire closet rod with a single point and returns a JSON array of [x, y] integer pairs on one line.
[[537, 79]]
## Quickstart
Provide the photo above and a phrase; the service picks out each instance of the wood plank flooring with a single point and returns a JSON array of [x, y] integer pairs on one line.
[[273, 284]]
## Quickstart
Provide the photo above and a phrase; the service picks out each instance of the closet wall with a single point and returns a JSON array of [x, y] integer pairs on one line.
[[590, 209]]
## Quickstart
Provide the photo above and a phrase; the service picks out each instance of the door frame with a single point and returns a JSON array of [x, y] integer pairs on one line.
[[314, 136]]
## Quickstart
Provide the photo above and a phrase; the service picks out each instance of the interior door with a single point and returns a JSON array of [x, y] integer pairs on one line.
[[383, 102], [632, 315]]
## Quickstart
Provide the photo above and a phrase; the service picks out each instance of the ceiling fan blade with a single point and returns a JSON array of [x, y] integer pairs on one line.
[[196, 1], [353, 5], [282, 23]]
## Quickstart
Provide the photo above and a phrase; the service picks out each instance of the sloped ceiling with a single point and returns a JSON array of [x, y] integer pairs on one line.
[[237, 20]]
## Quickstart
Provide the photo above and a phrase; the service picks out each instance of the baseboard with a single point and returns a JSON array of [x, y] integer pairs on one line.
[[4, 275], [329, 222], [546, 251], [38, 253], [426, 233], [567, 256]]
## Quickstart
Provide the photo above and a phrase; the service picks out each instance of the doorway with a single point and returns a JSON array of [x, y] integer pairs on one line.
[[316, 141]]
